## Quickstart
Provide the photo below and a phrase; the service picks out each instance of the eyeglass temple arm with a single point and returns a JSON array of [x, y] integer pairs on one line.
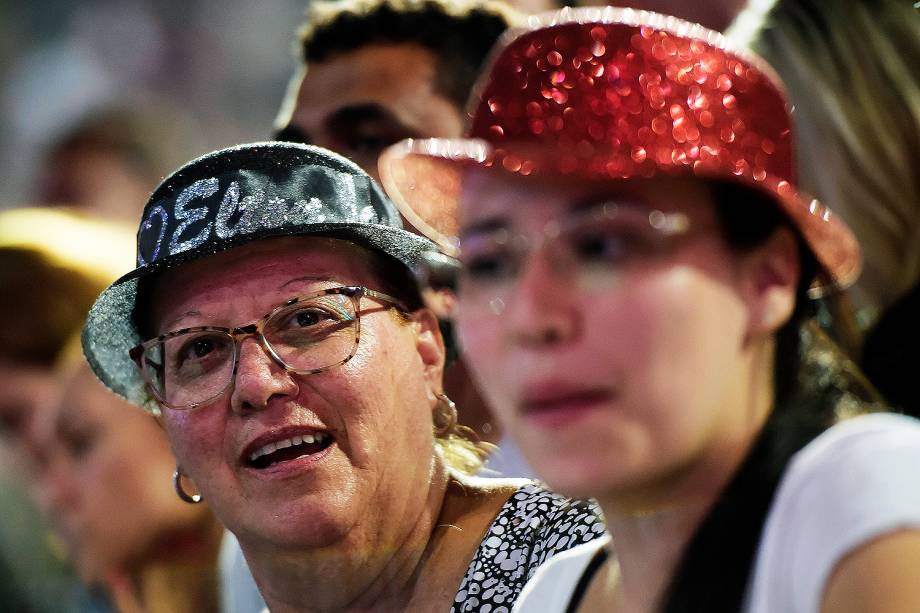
[[387, 298]]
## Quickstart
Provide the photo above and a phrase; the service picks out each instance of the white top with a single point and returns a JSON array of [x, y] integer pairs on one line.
[[238, 590], [856, 481]]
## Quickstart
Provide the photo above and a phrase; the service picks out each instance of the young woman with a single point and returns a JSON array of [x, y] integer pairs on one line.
[[637, 266]]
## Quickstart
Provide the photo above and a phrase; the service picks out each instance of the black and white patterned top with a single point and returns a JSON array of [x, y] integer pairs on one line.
[[532, 526]]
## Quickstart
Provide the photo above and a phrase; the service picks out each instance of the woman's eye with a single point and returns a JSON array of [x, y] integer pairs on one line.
[[613, 244], [602, 247], [488, 267], [307, 317], [199, 350], [201, 347], [80, 444]]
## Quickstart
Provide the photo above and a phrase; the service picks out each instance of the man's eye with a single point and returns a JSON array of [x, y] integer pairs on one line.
[[370, 144]]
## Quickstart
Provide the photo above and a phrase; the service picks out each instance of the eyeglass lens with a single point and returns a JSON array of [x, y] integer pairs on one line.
[[197, 366], [590, 247]]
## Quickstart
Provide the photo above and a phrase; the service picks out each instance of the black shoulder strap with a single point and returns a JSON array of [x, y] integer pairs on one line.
[[585, 580]]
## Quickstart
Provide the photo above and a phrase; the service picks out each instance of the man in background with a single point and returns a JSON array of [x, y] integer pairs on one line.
[[375, 72]]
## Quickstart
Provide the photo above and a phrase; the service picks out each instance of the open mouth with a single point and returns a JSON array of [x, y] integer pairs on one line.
[[288, 449]]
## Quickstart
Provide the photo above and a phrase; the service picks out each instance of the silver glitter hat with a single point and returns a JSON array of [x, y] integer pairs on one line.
[[226, 199]]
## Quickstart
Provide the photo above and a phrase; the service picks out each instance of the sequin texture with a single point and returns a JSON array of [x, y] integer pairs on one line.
[[657, 101], [614, 93]]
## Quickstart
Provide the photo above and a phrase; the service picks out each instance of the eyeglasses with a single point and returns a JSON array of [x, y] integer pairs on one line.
[[305, 335], [590, 246]]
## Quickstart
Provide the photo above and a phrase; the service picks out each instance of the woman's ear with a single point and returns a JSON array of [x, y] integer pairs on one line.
[[430, 345], [771, 280]]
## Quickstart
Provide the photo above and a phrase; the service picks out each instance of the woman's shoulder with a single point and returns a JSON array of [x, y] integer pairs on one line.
[[853, 459], [534, 509], [873, 431], [856, 481], [552, 522], [860, 472], [533, 525]]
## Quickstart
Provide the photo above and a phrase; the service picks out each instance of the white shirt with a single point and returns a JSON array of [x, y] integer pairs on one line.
[[238, 590], [858, 480]]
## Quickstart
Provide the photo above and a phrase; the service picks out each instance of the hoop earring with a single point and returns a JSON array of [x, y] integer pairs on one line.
[[180, 492], [444, 415]]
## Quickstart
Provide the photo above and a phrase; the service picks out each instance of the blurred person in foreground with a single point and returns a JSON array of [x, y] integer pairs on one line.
[[851, 70], [53, 262], [106, 485], [375, 72], [274, 325], [638, 267]]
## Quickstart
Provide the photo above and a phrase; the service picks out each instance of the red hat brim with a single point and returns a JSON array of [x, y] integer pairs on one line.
[[424, 178]]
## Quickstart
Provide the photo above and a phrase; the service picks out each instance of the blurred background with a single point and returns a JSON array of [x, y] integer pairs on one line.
[[205, 73]]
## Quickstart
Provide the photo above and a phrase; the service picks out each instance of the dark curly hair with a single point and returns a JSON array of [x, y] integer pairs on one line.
[[460, 34]]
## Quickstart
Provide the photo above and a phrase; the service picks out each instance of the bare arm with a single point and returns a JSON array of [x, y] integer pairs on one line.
[[881, 576]]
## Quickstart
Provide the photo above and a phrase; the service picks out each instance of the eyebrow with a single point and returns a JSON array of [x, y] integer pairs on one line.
[[178, 318], [582, 205], [314, 277], [602, 197], [292, 134], [485, 226]]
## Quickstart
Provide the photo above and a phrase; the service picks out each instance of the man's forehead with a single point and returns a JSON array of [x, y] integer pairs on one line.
[[376, 69]]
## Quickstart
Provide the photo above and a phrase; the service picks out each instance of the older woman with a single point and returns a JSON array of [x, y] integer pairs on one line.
[[636, 271], [280, 336]]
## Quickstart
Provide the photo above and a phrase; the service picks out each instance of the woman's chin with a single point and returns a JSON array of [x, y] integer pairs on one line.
[[579, 475], [570, 484], [297, 526]]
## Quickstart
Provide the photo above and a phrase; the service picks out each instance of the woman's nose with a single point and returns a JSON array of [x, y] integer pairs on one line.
[[259, 378], [544, 309]]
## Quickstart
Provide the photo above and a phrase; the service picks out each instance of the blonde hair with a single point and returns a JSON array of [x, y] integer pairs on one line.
[[851, 72], [462, 450]]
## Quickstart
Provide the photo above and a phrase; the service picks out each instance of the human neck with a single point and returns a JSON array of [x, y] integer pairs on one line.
[[376, 572], [180, 574], [652, 526]]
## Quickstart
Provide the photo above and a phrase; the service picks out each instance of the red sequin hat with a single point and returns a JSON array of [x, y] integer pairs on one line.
[[610, 93]]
